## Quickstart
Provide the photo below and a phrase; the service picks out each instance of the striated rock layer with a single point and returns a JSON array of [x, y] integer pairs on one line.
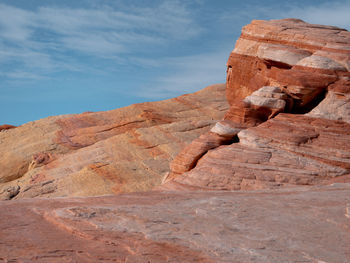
[[87, 154], [299, 225], [287, 150], [304, 60], [277, 66]]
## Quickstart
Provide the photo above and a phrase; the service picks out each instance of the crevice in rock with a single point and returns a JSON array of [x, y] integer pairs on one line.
[[235, 139], [296, 109], [13, 192], [277, 64]]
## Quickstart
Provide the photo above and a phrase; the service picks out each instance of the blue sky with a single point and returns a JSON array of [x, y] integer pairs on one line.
[[59, 57]]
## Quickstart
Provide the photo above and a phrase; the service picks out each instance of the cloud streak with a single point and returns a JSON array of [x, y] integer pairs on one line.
[[37, 43], [188, 74], [38, 39]]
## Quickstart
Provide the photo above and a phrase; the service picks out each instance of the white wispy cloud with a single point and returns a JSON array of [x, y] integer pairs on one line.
[[188, 74], [40, 38], [21, 75], [42, 41], [15, 23]]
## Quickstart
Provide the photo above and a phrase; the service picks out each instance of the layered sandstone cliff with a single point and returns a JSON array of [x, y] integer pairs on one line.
[[306, 61], [278, 66]]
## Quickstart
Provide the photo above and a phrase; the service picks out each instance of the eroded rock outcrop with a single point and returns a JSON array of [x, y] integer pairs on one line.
[[224, 132], [277, 66], [305, 60], [122, 150], [284, 151], [278, 69]]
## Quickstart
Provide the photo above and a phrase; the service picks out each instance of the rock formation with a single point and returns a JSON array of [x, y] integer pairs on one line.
[[6, 127], [100, 153], [277, 66], [283, 142], [304, 60], [284, 151]]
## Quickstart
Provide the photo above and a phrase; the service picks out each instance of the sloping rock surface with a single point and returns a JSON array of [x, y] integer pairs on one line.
[[285, 151], [87, 154], [299, 225]]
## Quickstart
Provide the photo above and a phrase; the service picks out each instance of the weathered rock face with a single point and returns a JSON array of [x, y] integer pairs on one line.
[[257, 226], [277, 66], [284, 151], [336, 106], [304, 60], [224, 132], [101, 153]]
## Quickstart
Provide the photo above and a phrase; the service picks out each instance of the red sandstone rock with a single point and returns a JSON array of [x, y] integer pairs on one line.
[[6, 127], [303, 59], [189, 156], [285, 151], [304, 224], [300, 62], [123, 150], [261, 105], [223, 132]]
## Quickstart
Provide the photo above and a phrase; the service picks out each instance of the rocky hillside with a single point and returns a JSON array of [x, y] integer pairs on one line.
[[100, 153], [264, 178]]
